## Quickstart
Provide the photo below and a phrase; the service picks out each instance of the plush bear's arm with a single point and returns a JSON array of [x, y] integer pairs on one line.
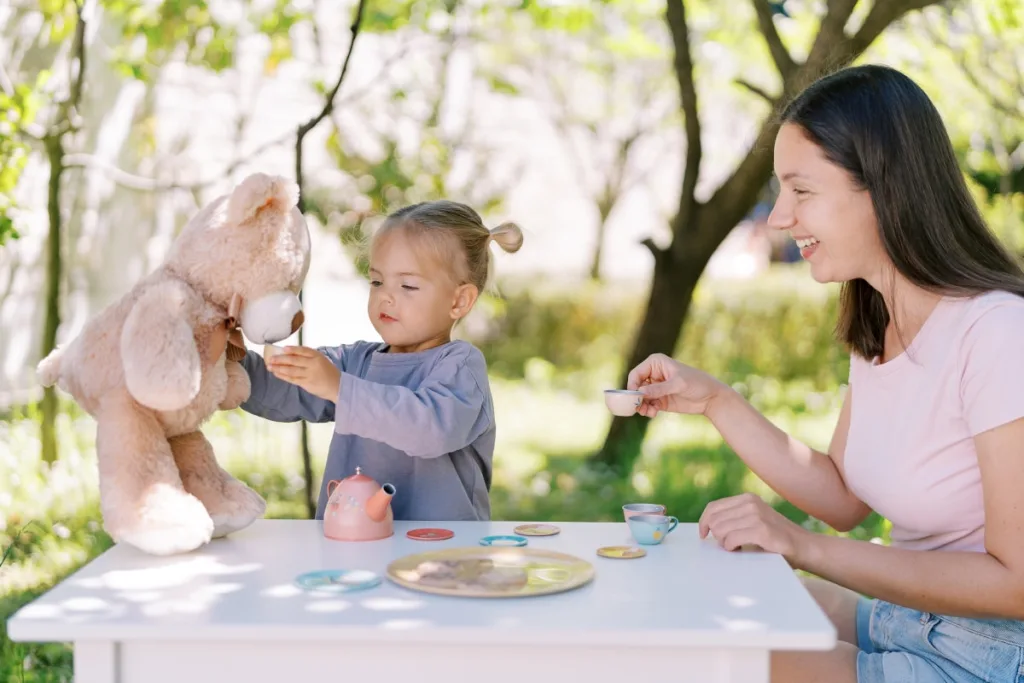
[[162, 366]]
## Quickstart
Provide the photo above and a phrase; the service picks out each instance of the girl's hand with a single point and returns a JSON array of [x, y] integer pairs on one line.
[[308, 369], [671, 386], [747, 520]]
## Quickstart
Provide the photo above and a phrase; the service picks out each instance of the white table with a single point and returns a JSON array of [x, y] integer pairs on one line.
[[688, 611]]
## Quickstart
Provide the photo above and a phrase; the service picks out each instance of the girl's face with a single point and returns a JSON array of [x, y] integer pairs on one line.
[[830, 218], [414, 302]]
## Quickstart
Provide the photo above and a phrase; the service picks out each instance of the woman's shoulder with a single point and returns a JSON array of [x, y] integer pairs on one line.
[[987, 326], [995, 311]]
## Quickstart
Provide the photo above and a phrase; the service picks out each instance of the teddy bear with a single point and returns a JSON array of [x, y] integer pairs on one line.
[[152, 367]]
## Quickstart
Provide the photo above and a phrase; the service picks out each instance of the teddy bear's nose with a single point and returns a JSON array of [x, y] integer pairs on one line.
[[297, 321]]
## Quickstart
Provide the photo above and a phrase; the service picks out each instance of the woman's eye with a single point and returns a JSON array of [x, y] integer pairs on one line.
[[799, 191]]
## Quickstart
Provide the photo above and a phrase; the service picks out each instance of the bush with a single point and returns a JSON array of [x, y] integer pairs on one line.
[[777, 326]]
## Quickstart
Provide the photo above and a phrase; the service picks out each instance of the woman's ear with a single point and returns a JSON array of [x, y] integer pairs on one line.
[[465, 296]]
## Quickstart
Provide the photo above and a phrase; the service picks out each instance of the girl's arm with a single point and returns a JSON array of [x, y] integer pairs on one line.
[[971, 584], [447, 412], [282, 401]]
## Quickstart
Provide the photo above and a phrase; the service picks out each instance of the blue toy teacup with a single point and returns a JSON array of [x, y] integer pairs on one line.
[[651, 529]]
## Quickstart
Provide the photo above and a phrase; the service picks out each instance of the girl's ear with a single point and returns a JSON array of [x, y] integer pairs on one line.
[[465, 297]]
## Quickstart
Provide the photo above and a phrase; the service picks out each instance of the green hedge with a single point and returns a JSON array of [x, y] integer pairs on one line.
[[778, 326]]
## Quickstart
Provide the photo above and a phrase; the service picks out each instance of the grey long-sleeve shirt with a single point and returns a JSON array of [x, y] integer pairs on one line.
[[423, 422]]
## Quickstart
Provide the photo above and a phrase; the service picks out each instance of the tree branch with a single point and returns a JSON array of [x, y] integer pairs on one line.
[[656, 251], [5, 82], [831, 50], [831, 34], [69, 106], [780, 55], [328, 107], [757, 90], [683, 62], [881, 16], [79, 49], [131, 181]]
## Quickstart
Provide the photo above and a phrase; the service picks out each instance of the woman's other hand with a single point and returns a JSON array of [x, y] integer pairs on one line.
[[674, 387], [746, 520]]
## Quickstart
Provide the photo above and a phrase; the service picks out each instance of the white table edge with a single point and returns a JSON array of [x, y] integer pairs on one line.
[[20, 630]]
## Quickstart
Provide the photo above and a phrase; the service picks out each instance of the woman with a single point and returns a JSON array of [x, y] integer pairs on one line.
[[931, 432]]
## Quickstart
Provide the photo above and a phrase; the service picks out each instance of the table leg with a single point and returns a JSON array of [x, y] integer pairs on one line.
[[96, 661]]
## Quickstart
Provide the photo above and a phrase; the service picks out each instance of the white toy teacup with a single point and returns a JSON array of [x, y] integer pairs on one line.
[[622, 402], [269, 351]]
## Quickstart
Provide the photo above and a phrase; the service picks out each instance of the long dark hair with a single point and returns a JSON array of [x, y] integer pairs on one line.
[[878, 125]]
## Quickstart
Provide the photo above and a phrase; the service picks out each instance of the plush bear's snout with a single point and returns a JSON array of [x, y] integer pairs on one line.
[[272, 317]]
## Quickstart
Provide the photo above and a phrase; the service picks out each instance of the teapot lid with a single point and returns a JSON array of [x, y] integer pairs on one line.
[[359, 477]]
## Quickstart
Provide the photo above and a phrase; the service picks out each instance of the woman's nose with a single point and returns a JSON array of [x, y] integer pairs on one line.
[[781, 216]]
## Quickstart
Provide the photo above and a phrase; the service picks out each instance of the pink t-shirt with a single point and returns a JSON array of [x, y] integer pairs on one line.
[[910, 451]]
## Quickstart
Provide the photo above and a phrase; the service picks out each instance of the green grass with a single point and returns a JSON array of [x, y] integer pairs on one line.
[[545, 433]]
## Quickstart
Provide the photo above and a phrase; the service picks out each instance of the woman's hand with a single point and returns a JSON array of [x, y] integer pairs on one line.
[[308, 369], [747, 520], [671, 386]]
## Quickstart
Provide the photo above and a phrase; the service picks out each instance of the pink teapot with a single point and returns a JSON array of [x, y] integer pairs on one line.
[[358, 509]]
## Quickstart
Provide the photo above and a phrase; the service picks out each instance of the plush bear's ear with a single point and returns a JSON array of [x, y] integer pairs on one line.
[[259, 191]]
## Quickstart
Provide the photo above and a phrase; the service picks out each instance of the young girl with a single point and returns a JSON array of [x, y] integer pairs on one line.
[[415, 410]]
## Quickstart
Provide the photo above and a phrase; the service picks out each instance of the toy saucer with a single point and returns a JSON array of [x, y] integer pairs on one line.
[[503, 540], [536, 530], [430, 534], [621, 552], [338, 580]]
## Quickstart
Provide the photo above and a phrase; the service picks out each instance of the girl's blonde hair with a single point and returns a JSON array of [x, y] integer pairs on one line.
[[456, 235]]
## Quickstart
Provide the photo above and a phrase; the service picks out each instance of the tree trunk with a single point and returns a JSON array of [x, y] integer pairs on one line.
[[300, 136], [698, 229], [48, 406], [674, 281], [604, 211]]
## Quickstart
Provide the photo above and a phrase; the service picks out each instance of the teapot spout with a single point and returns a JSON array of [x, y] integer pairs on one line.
[[377, 506]]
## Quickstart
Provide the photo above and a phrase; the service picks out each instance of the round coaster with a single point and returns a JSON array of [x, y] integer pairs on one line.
[[430, 534], [513, 541], [338, 580], [536, 530], [621, 552]]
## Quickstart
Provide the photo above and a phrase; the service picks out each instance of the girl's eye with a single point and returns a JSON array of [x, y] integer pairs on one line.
[[375, 283], [410, 288]]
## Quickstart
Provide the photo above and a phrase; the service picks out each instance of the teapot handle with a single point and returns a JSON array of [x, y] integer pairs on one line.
[[331, 486]]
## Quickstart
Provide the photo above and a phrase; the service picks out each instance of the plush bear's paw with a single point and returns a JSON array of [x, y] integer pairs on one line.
[[169, 522], [238, 388], [239, 508]]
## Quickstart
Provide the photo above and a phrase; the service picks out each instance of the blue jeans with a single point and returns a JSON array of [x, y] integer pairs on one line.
[[900, 645]]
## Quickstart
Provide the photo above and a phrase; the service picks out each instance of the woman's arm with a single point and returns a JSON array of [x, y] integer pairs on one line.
[[970, 584], [809, 479]]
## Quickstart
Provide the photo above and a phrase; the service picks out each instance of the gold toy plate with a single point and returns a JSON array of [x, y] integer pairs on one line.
[[491, 572]]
